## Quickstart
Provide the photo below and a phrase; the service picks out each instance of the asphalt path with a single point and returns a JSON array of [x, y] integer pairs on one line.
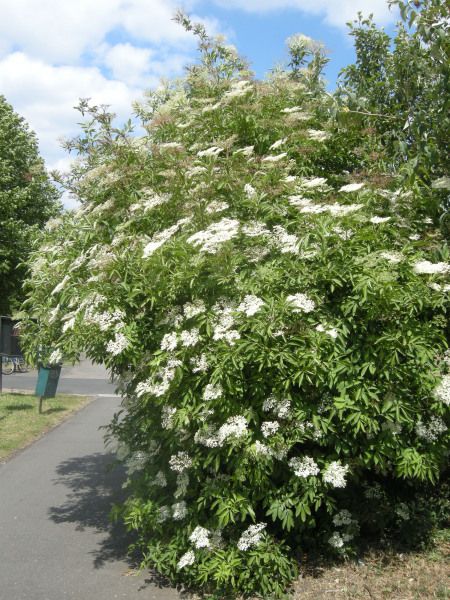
[[56, 541]]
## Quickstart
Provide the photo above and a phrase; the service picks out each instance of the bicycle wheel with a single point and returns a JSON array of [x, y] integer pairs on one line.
[[7, 365], [21, 366]]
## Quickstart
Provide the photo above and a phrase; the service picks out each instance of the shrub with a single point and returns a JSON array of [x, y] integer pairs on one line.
[[274, 306]]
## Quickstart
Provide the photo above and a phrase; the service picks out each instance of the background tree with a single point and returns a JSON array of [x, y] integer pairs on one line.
[[400, 86], [27, 201]]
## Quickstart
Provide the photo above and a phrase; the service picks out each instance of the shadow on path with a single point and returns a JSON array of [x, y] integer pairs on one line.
[[94, 484]]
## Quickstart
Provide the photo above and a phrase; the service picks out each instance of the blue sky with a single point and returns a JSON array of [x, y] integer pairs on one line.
[[53, 52]]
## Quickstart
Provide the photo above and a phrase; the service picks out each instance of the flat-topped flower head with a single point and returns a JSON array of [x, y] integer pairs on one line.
[[301, 303]]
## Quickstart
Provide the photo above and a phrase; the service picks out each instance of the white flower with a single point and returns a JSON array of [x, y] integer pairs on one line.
[[216, 206], [55, 357], [331, 332], [118, 345], [441, 184], [163, 236], [167, 415], [269, 428], [255, 229], [160, 479], [431, 430], [251, 536], [250, 305], [318, 135], [428, 268], [239, 88], [335, 474], [392, 257], [301, 302], [351, 187], [402, 511], [284, 241], [261, 449], [179, 510], [314, 182], [199, 364], [234, 427], [163, 514], [189, 338], [212, 392], [200, 537], [180, 462], [278, 143], [216, 234], [212, 151], [249, 190], [169, 342], [60, 285], [442, 392], [292, 109], [336, 540], [414, 237], [342, 518], [187, 559], [246, 151], [375, 220], [304, 467], [274, 158], [280, 407]]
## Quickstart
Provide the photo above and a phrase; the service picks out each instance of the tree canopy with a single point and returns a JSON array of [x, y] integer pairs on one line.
[[27, 201]]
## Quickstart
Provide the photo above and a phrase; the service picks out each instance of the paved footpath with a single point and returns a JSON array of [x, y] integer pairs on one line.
[[55, 539]]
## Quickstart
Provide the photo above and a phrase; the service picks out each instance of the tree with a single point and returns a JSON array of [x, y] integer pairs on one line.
[[400, 86], [27, 201], [274, 306]]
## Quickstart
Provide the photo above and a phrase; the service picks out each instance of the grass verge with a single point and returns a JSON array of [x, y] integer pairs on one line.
[[20, 423], [382, 576]]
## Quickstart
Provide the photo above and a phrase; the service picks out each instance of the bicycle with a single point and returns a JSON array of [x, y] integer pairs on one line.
[[13, 364]]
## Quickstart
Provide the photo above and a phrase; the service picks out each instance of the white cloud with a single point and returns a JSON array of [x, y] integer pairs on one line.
[[335, 12], [62, 31]]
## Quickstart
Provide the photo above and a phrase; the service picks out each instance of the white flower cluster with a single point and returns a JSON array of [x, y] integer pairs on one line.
[[376, 220], [190, 337], [250, 305], [318, 135], [234, 427], [239, 88], [216, 234], [164, 514], [212, 392], [351, 187], [249, 190], [192, 309], [162, 237], [432, 430], [261, 449], [118, 344], [255, 229], [167, 415], [333, 333], [186, 560], [337, 540], [169, 342], [301, 302], [442, 392], [105, 320], [281, 408], [304, 467], [343, 518], [212, 151], [425, 267], [392, 257], [180, 462], [159, 388], [160, 479], [269, 428], [55, 357], [216, 206], [335, 474], [223, 323], [274, 158], [200, 537], [199, 364], [251, 536], [284, 241], [179, 510], [278, 143]]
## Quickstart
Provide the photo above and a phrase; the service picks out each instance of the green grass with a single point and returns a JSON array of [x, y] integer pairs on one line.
[[21, 424]]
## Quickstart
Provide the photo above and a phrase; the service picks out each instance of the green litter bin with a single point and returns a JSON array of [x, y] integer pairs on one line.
[[47, 382]]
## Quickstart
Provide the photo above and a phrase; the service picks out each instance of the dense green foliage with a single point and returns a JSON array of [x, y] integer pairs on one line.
[[27, 201], [272, 298]]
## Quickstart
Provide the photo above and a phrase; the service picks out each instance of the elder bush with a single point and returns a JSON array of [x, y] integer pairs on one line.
[[274, 306]]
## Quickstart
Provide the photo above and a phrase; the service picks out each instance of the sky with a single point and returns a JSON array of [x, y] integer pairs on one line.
[[53, 52]]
